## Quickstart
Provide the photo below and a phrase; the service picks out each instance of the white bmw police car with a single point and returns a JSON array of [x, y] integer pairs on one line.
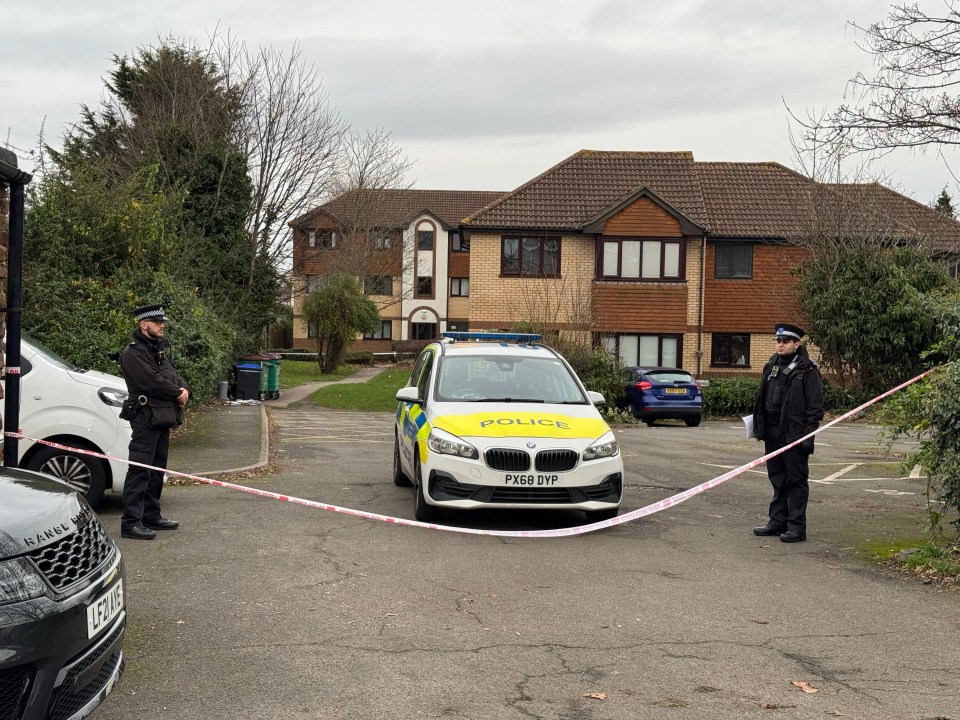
[[494, 420]]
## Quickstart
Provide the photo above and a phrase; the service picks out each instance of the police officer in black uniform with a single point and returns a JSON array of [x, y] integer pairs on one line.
[[789, 405], [157, 395]]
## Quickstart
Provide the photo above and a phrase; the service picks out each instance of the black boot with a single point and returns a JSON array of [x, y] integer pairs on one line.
[[771, 528]]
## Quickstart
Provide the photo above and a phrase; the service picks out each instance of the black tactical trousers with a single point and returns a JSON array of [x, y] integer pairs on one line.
[[142, 487], [789, 473]]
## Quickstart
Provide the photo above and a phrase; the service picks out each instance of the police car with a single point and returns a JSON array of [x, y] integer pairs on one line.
[[496, 420]]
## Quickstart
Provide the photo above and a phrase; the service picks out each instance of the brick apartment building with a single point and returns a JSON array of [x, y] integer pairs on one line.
[[653, 255]]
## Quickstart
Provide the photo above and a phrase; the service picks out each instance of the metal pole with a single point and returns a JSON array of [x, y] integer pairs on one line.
[[11, 400]]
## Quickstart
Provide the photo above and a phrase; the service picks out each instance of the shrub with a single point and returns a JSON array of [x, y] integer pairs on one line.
[[359, 357], [729, 397], [409, 348]]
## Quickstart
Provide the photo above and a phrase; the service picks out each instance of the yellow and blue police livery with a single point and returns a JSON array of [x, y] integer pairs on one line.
[[496, 420]]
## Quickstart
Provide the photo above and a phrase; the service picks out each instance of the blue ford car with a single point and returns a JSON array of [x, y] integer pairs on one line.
[[660, 393]]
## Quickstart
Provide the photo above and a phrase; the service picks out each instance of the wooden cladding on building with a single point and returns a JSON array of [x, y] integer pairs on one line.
[[643, 218], [753, 304], [646, 307]]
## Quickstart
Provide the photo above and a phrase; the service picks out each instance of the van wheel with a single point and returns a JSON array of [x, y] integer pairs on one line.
[[84, 474], [400, 478], [421, 510]]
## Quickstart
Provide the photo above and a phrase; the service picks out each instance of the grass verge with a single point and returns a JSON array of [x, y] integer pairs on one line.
[[375, 395], [298, 372]]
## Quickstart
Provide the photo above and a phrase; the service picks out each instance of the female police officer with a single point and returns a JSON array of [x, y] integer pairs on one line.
[[789, 405]]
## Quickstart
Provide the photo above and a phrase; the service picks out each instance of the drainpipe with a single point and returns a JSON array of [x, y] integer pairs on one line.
[[703, 266]]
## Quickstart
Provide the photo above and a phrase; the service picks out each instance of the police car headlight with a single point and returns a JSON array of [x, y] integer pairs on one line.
[[443, 442], [606, 446]]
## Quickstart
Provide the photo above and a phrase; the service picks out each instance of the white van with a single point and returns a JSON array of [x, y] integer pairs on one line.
[[62, 403]]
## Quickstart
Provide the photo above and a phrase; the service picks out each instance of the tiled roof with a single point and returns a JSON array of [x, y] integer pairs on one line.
[[938, 232], [729, 199], [577, 190], [754, 199], [394, 208]]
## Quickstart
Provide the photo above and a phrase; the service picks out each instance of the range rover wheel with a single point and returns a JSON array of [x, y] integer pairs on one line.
[[84, 474]]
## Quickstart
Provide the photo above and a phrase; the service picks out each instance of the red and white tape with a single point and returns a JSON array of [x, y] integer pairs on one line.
[[559, 532]]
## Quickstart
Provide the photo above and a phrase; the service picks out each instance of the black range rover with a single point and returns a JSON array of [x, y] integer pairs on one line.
[[62, 614]]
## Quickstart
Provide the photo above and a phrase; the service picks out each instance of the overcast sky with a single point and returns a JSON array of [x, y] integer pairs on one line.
[[485, 96]]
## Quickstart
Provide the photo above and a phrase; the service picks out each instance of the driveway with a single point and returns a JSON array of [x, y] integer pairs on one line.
[[263, 609]]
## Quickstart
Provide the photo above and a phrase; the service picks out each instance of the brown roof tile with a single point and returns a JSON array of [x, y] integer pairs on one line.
[[394, 208], [582, 187]]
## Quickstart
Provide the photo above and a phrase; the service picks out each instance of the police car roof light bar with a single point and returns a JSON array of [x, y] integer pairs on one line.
[[498, 336]]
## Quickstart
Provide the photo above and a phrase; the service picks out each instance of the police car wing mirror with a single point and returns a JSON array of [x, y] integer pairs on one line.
[[409, 394], [596, 398]]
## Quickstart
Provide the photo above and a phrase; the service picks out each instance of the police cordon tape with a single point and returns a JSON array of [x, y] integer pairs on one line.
[[559, 532]]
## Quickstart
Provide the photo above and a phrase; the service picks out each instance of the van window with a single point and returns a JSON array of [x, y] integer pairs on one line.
[[50, 355]]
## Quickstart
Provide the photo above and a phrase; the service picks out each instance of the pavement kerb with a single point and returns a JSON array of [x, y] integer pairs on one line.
[[289, 397], [264, 451]]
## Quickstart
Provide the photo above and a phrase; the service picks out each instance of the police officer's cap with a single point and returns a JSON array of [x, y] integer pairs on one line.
[[150, 312], [786, 330]]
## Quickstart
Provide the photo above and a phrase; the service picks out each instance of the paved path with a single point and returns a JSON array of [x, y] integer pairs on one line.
[[292, 395]]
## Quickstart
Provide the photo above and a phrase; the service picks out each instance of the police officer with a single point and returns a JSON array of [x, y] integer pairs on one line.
[[157, 395], [788, 406]]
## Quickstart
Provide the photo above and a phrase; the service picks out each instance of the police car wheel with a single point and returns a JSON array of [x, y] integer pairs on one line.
[[83, 474], [421, 510], [400, 478]]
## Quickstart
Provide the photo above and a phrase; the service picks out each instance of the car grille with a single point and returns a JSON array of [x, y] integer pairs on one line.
[[69, 700], [77, 556], [14, 685], [444, 487], [507, 459], [557, 460]]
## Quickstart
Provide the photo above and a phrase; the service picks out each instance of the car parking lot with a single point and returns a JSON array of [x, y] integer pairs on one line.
[[263, 609]]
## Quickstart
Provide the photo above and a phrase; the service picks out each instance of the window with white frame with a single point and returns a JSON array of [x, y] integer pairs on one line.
[[632, 259], [320, 238], [644, 350]]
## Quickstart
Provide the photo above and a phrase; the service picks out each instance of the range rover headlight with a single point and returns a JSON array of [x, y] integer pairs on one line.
[[19, 582], [440, 441], [606, 446]]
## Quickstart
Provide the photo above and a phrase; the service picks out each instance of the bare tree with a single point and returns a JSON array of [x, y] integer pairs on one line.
[[911, 101], [289, 133], [369, 232]]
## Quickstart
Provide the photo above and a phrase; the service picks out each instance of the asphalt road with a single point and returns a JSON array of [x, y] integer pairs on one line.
[[262, 609]]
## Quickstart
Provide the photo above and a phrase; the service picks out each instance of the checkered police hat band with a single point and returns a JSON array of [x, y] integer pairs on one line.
[[150, 314]]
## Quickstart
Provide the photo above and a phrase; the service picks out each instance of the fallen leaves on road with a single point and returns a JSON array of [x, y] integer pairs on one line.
[[804, 685], [595, 696], [775, 706]]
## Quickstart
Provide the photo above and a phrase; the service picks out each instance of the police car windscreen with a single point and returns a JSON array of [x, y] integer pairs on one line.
[[479, 378]]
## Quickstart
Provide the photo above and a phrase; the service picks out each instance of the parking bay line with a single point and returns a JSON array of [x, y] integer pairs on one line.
[[829, 479]]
